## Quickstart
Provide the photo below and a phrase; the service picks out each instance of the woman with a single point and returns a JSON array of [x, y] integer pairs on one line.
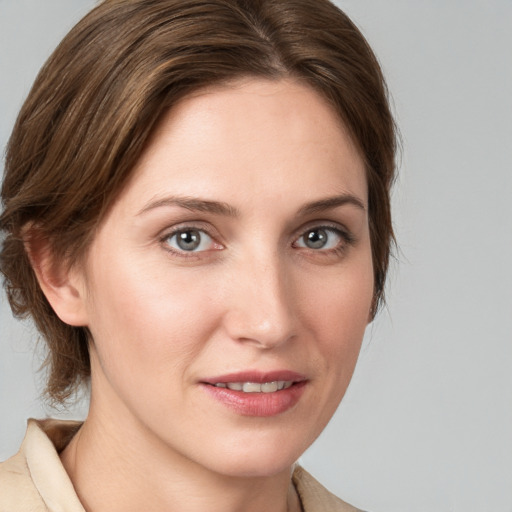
[[196, 216]]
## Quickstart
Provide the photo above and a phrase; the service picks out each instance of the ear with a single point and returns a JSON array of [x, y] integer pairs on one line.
[[373, 310], [63, 287]]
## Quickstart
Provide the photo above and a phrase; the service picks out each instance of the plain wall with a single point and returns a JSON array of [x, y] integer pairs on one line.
[[427, 422]]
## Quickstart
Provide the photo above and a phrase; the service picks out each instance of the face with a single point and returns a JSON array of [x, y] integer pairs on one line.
[[228, 289]]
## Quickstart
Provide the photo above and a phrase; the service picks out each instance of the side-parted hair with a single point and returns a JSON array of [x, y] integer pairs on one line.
[[98, 98]]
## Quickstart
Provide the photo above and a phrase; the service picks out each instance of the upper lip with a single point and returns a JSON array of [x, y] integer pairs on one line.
[[256, 376]]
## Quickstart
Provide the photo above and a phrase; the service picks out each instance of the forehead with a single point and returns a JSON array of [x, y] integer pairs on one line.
[[246, 139]]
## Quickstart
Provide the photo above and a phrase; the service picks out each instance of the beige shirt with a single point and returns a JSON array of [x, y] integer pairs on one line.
[[34, 480]]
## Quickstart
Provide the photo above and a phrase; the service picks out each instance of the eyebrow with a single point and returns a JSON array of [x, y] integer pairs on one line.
[[225, 209], [329, 203], [193, 204]]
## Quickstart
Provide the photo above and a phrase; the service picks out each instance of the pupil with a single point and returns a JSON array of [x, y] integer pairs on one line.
[[188, 240], [316, 239]]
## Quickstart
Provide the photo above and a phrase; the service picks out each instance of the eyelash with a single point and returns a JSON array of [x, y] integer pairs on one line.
[[347, 240], [185, 229]]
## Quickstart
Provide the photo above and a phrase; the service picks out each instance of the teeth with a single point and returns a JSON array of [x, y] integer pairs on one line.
[[269, 387], [251, 387], [254, 387]]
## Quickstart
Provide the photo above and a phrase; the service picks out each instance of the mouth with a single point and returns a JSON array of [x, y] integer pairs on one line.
[[255, 387], [256, 393]]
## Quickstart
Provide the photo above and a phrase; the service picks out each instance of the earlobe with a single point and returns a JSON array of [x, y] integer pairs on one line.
[[372, 312], [62, 286]]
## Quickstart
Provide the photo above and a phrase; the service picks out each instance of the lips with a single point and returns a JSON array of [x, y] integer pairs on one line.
[[254, 387], [257, 393], [257, 377]]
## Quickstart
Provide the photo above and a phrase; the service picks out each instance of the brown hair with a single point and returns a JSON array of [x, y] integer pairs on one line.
[[97, 99]]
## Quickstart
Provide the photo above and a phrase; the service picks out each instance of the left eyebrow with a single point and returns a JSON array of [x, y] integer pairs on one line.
[[330, 203]]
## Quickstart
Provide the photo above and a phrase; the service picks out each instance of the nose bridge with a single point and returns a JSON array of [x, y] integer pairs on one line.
[[261, 308]]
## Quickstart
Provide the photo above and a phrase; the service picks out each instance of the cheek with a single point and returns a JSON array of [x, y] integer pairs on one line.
[[337, 312], [146, 317]]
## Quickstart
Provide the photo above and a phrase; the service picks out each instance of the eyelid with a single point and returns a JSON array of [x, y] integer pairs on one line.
[[347, 237], [325, 224], [190, 226], [345, 234]]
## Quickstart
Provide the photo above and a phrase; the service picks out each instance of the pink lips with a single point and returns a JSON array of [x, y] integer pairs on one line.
[[255, 376], [258, 403]]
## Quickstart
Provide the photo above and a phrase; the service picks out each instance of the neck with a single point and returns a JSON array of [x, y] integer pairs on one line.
[[113, 467]]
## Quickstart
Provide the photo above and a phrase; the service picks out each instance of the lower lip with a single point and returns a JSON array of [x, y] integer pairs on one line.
[[258, 404]]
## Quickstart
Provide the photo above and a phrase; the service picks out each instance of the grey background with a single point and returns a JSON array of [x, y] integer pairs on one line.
[[427, 422]]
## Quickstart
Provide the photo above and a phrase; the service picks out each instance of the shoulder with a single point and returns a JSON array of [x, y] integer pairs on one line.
[[34, 479], [315, 497], [17, 490]]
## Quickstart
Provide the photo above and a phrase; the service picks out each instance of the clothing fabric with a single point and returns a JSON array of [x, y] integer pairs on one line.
[[34, 480]]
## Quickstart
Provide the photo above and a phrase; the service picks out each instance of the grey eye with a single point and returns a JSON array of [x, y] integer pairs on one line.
[[320, 238], [190, 240], [316, 239]]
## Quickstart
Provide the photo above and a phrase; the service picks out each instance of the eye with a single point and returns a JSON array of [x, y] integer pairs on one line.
[[321, 238], [190, 240]]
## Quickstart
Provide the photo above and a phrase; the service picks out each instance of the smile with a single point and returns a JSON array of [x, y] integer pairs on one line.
[[257, 393], [255, 387]]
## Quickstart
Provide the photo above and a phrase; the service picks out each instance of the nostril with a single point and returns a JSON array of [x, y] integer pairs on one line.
[[259, 308]]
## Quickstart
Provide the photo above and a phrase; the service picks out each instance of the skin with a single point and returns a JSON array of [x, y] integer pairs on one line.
[[254, 296]]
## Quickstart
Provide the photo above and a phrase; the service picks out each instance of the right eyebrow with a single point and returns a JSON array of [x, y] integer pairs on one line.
[[193, 204]]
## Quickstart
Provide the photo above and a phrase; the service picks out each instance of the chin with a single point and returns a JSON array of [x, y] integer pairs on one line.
[[258, 467], [259, 458]]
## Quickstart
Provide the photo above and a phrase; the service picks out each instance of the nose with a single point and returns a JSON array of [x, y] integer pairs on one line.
[[261, 308]]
